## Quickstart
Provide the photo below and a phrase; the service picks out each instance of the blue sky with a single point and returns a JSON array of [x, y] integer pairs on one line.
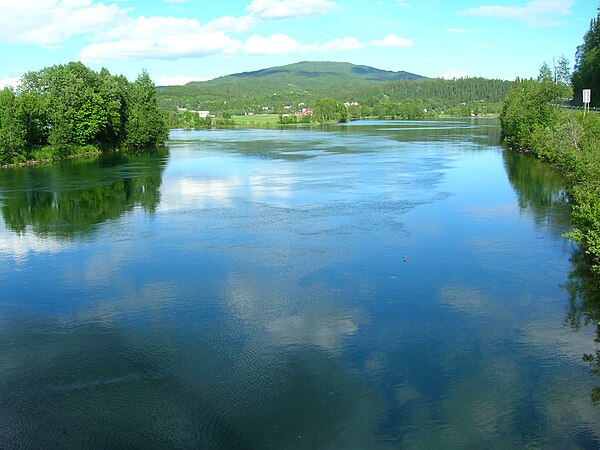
[[182, 40]]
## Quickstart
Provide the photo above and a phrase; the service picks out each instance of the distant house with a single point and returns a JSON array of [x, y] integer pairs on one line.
[[203, 114], [305, 112]]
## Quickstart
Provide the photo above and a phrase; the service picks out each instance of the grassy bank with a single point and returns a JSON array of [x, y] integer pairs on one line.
[[49, 153], [568, 139]]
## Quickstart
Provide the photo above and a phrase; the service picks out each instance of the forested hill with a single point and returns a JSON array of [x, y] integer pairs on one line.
[[306, 82], [303, 82], [327, 73]]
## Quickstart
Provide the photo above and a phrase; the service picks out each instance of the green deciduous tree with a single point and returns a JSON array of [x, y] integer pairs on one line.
[[528, 110], [70, 107], [146, 124], [329, 110], [545, 72], [12, 130]]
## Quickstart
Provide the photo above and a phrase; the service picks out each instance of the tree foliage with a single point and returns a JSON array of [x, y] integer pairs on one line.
[[67, 107], [570, 140], [528, 110], [329, 110], [586, 74]]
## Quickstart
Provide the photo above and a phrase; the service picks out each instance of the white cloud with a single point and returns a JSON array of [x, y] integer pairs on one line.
[[9, 82], [284, 9], [166, 38], [450, 75], [116, 35], [537, 12], [278, 44], [229, 24], [403, 3], [19, 246], [393, 41], [344, 44], [199, 193], [52, 22], [275, 45]]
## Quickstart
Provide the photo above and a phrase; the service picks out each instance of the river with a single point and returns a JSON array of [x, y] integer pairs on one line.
[[370, 285]]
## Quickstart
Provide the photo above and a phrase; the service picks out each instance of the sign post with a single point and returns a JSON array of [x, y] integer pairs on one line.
[[587, 98]]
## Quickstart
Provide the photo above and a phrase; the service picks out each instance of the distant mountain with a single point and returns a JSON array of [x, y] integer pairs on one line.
[[295, 86], [294, 83], [310, 70]]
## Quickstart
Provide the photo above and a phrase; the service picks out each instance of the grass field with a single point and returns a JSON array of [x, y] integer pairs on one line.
[[257, 120]]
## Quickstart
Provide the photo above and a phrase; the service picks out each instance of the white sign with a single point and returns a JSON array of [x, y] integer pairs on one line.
[[587, 96]]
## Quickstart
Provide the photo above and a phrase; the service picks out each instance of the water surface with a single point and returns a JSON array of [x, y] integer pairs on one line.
[[371, 285]]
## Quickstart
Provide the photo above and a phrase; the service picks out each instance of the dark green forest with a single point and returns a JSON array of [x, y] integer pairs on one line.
[[371, 92], [587, 64], [68, 110]]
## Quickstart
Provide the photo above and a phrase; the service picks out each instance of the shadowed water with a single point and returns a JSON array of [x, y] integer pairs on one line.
[[371, 285]]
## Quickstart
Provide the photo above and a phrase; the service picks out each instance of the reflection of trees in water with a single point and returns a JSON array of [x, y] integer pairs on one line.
[[69, 199], [583, 287], [541, 191], [478, 131]]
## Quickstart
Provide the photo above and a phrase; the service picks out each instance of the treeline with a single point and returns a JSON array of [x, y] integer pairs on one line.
[[440, 93], [587, 64], [69, 109], [568, 139], [430, 97]]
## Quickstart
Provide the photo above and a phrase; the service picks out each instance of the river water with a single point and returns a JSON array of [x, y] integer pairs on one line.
[[370, 285]]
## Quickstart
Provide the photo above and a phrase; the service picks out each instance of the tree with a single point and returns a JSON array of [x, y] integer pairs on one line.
[[70, 107], [113, 90], [328, 110], [76, 111], [34, 118], [146, 125], [586, 74], [12, 131], [545, 72], [562, 71], [528, 110]]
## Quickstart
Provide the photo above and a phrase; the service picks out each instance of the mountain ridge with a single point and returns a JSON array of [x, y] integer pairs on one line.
[[311, 69]]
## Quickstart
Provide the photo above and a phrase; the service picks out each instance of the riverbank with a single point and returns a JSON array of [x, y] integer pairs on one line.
[[49, 154], [570, 140], [275, 120]]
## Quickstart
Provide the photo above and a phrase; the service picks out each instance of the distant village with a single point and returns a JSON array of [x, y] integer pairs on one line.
[[300, 111]]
